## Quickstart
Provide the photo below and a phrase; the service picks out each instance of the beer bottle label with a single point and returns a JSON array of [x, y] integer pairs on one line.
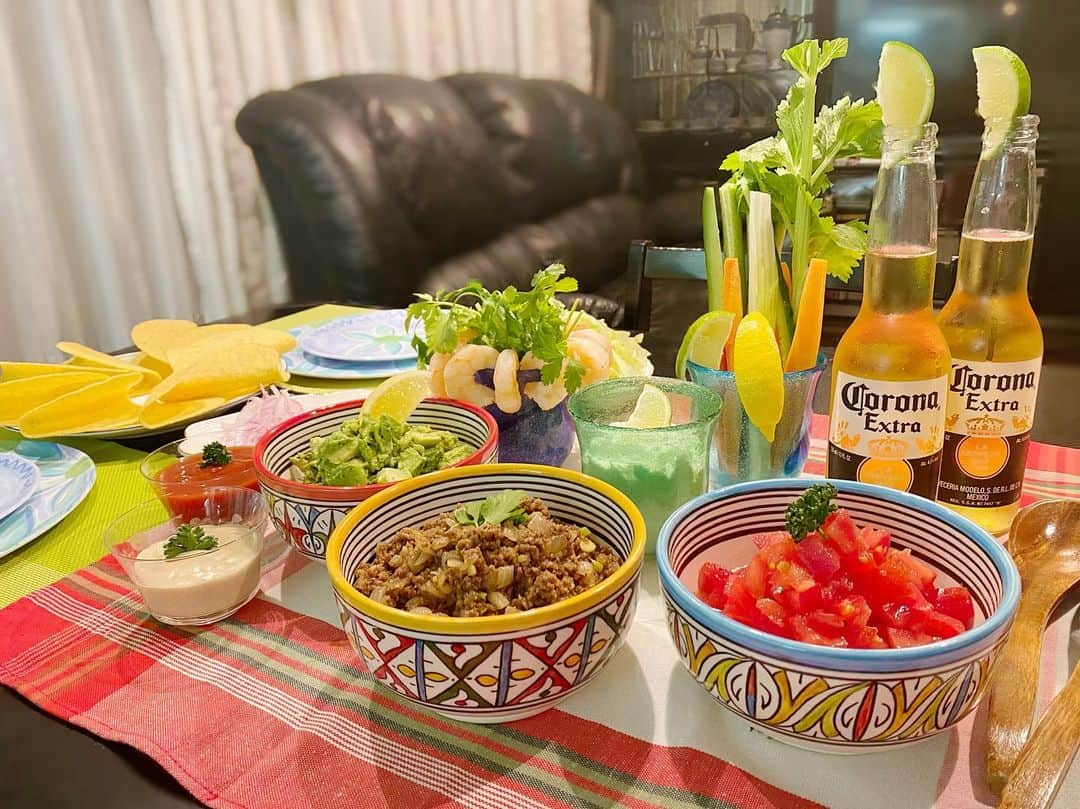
[[988, 418], [888, 433]]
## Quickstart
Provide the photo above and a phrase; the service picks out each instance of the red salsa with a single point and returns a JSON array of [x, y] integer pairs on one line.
[[839, 586], [183, 483]]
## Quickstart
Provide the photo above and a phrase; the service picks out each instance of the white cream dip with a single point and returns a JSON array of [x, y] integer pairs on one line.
[[199, 584]]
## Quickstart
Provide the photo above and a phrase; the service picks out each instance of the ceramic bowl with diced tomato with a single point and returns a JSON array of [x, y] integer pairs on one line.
[[874, 630]]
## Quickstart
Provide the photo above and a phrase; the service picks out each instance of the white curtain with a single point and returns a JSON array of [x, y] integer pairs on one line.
[[126, 192]]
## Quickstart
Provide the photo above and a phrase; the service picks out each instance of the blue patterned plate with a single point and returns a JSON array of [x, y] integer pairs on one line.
[[18, 479], [372, 337], [302, 364], [65, 478]]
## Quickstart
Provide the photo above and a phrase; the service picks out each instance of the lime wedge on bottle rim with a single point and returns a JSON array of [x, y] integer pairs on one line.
[[905, 86], [652, 410], [1004, 88], [704, 341]]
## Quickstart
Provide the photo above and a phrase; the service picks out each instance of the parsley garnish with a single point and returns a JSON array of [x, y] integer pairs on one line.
[[533, 320], [807, 512], [188, 538], [215, 454], [494, 510]]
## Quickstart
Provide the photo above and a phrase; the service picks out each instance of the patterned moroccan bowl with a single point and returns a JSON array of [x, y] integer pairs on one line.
[[497, 668], [822, 698], [306, 513]]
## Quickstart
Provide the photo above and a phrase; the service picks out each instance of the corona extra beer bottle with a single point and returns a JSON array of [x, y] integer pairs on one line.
[[993, 334], [890, 369]]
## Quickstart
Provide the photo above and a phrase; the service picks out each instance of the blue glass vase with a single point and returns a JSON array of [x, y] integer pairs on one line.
[[533, 435], [740, 451]]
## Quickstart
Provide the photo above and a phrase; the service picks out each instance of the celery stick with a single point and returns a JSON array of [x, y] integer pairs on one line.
[[714, 254], [763, 294]]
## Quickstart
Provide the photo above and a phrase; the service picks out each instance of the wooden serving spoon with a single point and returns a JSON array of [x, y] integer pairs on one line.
[[1045, 542], [1046, 757]]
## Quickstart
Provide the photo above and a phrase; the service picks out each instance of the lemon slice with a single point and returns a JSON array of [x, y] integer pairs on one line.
[[905, 86], [759, 374], [398, 396], [704, 341], [1004, 87], [653, 409]]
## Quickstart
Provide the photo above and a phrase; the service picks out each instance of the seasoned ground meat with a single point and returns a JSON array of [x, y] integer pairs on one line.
[[446, 568]]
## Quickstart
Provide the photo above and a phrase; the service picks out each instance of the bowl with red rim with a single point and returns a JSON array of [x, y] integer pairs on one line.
[[307, 513], [825, 698]]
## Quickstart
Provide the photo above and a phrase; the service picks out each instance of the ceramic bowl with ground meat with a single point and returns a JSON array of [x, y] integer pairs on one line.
[[484, 621]]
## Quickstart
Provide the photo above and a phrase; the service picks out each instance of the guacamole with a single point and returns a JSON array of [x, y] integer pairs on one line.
[[377, 450]]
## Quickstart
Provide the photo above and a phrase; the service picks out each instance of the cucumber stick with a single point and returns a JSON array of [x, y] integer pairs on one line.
[[714, 254], [732, 223]]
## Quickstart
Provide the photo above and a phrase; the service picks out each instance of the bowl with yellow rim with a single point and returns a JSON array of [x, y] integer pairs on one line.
[[493, 668]]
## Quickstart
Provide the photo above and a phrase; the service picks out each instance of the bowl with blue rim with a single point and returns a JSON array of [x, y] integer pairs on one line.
[[827, 699]]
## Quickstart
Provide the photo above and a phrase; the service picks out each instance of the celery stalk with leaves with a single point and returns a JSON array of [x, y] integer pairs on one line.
[[793, 168]]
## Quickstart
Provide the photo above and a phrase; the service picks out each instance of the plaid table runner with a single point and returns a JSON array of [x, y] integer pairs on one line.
[[268, 709]]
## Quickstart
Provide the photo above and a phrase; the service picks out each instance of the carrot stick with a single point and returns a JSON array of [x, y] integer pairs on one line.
[[731, 301], [806, 341]]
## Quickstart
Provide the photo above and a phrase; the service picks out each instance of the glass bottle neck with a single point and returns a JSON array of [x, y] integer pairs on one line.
[[1002, 197], [904, 210], [898, 280]]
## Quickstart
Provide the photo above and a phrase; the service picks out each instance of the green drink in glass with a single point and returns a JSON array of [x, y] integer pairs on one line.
[[658, 467]]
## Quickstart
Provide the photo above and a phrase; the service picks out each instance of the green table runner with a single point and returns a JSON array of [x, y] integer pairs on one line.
[[76, 541]]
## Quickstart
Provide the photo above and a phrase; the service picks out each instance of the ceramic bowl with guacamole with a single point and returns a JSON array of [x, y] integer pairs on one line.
[[314, 468]]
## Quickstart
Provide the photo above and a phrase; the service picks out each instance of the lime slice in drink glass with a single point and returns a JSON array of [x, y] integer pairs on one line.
[[759, 374], [905, 86], [398, 396], [651, 410], [1004, 87], [704, 341]]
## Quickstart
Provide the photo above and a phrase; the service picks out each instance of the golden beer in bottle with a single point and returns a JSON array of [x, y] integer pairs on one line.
[[890, 369], [993, 334]]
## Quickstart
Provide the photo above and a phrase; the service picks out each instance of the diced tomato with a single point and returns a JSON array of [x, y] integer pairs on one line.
[[826, 622], [854, 611], [956, 602], [793, 576], [937, 624], [840, 529], [711, 582], [916, 568], [768, 537], [800, 602], [867, 637], [772, 612], [802, 630], [819, 558], [843, 586], [875, 540], [756, 575], [901, 638]]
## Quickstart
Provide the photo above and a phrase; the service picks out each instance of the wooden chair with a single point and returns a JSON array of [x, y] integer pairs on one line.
[[649, 262]]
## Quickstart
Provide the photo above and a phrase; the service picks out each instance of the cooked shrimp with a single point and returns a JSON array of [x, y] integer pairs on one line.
[[545, 396], [436, 365], [459, 374], [594, 355], [507, 394]]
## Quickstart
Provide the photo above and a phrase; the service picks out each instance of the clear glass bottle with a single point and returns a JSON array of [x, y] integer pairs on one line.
[[993, 334], [890, 369]]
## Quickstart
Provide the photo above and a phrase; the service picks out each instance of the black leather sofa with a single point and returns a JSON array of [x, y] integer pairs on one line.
[[383, 186]]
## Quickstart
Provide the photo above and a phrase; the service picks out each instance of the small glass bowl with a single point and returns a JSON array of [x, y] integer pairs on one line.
[[197, 587], [176, 476]]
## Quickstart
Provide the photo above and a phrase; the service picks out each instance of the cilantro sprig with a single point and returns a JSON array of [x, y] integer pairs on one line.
[[794, 165], [189, 538], [523, 320], [497, 509], [215, 454], [807, 512]]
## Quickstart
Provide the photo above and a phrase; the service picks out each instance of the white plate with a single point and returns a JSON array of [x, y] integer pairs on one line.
[[373, 337], [18, 479]]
